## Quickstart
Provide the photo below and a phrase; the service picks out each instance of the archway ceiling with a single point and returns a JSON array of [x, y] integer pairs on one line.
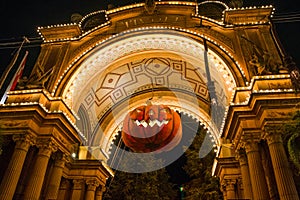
[[134, 61]]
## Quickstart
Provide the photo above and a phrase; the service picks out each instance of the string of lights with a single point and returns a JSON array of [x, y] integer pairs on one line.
[[11, 43]]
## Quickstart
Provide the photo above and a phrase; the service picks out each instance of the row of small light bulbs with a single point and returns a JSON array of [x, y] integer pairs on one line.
[[131, 7], [248, 8], [43, 106], [209, 130], [139, 5], [70, 39], [140, 29], [68, 96], [249, 87]]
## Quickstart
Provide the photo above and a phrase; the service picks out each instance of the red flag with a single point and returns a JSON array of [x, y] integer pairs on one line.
[[19, 73], [13, 83]]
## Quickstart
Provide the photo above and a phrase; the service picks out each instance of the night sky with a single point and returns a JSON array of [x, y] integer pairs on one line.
[[21, 18]]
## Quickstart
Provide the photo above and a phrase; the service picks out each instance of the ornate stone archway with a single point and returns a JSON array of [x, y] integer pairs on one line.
[[89, 75]]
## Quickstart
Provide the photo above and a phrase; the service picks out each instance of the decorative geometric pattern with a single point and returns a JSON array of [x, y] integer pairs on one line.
[[147, 73], [157, 66], [89, 99], [117, 94], [144, 42], [159, 81], [110, 80]]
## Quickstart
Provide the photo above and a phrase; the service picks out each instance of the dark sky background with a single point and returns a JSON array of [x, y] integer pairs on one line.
[[22, 18]]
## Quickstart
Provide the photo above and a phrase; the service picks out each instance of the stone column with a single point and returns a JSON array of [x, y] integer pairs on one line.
[[268, 169], [257, 176], [245, 174], [223, 190], [64, 189], [78, 187], [283, 174], [91, 189], [36, 179], [14, 169], [55, 178], [99, 192], [230, 189]]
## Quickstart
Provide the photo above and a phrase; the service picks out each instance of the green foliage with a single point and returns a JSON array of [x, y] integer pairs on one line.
[[202, 185], [136, 186], [291, 136]]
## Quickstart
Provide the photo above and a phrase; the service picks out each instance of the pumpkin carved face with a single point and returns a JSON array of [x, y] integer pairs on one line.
[[150, 128]]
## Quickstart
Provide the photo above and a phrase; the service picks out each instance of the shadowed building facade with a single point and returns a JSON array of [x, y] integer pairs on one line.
[[219, 65]]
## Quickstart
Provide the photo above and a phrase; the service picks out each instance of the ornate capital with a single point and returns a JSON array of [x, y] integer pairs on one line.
[[60, 159], [23, 141], [100, 190], [273, 137], [46, 147], [65, 184], [251, 146], [78, 184], [229, 184], [250, 141], [242, 157], [92, 184]]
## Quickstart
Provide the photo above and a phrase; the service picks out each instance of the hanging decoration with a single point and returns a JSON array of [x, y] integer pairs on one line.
[[152, 128]]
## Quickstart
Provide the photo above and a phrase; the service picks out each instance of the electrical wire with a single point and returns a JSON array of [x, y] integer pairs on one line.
[[287, 17], [33, 42]]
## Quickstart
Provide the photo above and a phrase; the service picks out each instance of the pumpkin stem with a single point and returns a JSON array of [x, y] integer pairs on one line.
[[148, 102]]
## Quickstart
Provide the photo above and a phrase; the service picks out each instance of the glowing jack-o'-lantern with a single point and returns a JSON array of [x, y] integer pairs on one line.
[[152, 128]]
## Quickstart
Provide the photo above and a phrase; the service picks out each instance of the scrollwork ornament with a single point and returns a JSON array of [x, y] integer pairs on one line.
[[65, 183], [60, 159], [78, 184], [92, 184], [46, 147], [273, 137], [242, 157], [251, 146], [23, 141]]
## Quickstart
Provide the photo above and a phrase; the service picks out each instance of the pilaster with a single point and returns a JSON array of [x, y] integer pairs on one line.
[[78, 188], [99, 192], [230, 188], [91, 189], [64, 189]]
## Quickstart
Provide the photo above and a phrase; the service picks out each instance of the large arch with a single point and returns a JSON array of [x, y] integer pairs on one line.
[[115, 70], [90, 74]]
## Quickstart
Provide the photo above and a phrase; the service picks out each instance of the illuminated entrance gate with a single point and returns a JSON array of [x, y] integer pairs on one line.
[[91, 74]]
